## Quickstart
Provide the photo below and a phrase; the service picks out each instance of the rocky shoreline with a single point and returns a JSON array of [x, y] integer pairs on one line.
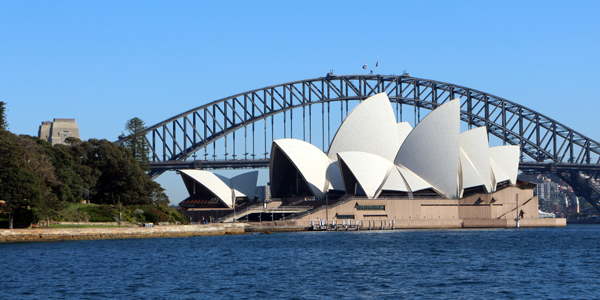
[[68, 234]]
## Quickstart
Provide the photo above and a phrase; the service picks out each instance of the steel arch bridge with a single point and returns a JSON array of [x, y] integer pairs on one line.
[[546, 145]]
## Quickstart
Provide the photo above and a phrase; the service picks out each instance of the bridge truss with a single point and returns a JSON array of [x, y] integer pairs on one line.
[[245, 125]]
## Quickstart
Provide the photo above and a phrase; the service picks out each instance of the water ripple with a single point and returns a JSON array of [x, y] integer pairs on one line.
[[548, 263]]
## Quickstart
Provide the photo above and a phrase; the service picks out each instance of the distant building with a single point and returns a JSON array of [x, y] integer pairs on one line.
[[56, 132], [546, 189]]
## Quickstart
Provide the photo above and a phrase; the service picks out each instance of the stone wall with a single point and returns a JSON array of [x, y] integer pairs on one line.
[[60, 234]]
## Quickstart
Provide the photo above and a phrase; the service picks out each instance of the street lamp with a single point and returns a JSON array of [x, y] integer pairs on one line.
[[233, 196]]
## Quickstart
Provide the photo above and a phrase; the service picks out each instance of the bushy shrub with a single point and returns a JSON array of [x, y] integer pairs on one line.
[[176, 216], [23, 218], [72, 215], [100, 213], [150, 214]]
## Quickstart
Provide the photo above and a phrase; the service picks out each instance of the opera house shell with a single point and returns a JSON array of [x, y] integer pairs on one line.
[[214, 190], [372, 154], [379, 172]]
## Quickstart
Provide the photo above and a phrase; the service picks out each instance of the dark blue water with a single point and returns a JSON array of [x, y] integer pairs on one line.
[[555, 263]]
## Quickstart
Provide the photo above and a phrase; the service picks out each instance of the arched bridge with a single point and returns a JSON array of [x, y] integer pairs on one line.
[[237, 131]]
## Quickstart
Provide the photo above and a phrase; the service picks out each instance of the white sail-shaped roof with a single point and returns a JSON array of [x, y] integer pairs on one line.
[[309, 161], [468, 173], [475, 159], [415, 183], [498, 175], [404, 130], [395, 182], [369, 170], [507, 160], [431, 149], [245, 184], [370, 127], [334, 177], [216, 184]]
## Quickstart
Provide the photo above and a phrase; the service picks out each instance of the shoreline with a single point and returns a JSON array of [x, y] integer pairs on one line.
[[217, 229], [76, 234]]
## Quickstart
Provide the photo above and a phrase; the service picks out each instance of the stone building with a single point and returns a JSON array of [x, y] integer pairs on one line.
[[56, 132]]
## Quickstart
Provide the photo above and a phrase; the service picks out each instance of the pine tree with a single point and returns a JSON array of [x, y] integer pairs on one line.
[[137, 142], [3, 123]]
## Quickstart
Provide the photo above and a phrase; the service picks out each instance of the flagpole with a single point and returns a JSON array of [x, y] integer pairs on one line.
[[377, 64]]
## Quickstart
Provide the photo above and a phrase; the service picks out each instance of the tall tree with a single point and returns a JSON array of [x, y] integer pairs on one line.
[[19, 185], [3, 123], [112, 172], [137, 142], [67, 185]]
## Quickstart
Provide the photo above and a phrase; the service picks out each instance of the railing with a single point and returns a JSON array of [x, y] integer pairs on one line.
[[312, 211], [238, 212], [264, 210], [302, 200]]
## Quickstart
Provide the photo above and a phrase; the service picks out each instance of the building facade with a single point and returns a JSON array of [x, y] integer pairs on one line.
[[378, 170], [58, 131]]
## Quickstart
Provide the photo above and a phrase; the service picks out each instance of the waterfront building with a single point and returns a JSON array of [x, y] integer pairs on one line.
[[57, 131], [216, 194], [380, 171], [546, 189]]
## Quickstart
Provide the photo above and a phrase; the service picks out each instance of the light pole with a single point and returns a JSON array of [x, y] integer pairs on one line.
[[233, 196], [517, 219], [326, 210]]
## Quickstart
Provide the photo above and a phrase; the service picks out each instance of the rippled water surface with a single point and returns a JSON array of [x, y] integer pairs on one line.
[[472, 264]]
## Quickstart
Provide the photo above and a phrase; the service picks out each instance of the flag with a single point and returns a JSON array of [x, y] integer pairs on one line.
[[365, 66], [377, 64]]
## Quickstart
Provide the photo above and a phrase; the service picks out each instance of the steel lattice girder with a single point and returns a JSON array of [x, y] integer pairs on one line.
[[541, 138]]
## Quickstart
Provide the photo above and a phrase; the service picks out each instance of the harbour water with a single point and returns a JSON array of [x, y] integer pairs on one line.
[[541, 263]]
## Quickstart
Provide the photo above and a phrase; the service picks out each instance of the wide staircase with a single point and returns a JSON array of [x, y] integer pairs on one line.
[[260, 208], [321, 205]]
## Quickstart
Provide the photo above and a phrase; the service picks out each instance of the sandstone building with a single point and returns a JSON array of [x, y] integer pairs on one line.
[[56, 132]]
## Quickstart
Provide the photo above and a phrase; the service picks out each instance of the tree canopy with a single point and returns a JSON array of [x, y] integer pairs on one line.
[[112, 173], [38, 179], [3, 122], [19, 185]]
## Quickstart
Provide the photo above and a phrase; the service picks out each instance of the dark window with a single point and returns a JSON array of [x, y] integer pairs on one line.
[[342, 217], [370, 207]]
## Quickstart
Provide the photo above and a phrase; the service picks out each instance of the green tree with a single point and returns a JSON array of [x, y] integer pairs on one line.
[[3, 122], [39, 162], [19, 186], [159, 197], [137, 143], [72, 140], [84, 165], [112, 172], [67, 186]]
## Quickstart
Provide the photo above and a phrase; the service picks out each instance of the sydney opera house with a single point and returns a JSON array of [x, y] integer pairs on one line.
[[378, 174]]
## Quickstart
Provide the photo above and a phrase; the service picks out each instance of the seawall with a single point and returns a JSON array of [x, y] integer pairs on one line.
[[301, 225], [63, 234]]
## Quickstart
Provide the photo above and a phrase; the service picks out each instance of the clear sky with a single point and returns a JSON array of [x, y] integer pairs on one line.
[[104, 62]]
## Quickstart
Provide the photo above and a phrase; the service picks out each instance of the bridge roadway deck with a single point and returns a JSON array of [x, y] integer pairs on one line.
[[543, 167]]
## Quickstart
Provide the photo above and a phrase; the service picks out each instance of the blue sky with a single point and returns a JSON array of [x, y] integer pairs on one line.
[[104, 62]]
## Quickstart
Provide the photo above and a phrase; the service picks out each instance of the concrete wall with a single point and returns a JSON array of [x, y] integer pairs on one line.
[[497, 210], [501, 204], [56, 132], [57, 234]]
